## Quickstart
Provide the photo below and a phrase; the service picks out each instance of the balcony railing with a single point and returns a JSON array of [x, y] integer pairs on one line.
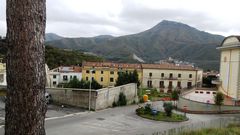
[[169, 78]]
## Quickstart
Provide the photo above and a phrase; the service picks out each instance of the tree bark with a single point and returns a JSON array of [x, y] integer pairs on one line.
[[25, 105]]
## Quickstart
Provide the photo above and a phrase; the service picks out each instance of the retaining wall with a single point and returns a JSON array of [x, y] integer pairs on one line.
[[100, 99]]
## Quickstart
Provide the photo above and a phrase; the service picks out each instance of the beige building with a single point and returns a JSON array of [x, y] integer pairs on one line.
[[167, 77], [229, 80]]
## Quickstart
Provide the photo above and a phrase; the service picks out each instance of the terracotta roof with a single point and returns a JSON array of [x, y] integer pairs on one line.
[[168, 66], [140, 66], [112, 65]]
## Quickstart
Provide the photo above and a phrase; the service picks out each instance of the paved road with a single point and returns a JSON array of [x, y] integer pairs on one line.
[[114, 121]]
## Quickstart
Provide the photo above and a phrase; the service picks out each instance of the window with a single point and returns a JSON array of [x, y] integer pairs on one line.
[[54, 76], [161, 84], [101, 72], [189, 84], [75, 76], [170, 75], [70, 77], [150, 74], [101, 79], [179, 75], [111, 72], [162, 74], [87, 71], [149, 84], [86, 78], [54, 82], [92, 78], [170, 84], [65, 78], [111, 79], [179, 84], [190, 75], [93, 71]]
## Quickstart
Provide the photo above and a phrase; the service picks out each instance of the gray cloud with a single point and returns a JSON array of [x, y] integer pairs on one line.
[[133, 18]]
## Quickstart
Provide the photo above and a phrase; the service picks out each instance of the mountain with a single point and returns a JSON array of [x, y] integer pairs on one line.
[[52, 37], [166, 39]]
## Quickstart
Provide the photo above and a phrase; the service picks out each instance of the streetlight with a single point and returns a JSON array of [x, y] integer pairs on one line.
[[90, 90]]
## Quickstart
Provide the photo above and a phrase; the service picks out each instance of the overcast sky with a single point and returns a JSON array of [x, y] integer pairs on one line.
[[84, 18]]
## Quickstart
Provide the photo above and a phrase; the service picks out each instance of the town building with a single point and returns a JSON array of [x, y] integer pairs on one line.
[[106, 73], [167, 77], [229, 80], [63, 75], [3, 74]]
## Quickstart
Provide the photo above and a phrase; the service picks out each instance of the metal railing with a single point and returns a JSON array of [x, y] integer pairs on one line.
[[214, 123]]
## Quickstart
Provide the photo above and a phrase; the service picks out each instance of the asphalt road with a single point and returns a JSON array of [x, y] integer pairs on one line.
[[114, 121]]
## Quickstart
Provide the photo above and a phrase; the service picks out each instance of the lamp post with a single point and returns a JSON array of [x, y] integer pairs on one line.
[[90, 90]]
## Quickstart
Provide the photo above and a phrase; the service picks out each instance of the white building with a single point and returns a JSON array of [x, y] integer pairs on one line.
[[229, 82], [3, 74], [63, 74], [167, 77]]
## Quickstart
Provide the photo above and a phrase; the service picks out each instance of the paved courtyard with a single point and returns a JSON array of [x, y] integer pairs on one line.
[[115, 121]]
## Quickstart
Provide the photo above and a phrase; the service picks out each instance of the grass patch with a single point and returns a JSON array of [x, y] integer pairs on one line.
[[161, 116], [232, 129], [153, 93]]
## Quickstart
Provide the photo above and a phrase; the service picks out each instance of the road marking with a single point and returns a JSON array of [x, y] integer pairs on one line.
[[68, 115]]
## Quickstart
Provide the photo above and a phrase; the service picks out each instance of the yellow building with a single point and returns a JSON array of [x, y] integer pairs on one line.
[[166, 77], [229, 80], [106, 73]]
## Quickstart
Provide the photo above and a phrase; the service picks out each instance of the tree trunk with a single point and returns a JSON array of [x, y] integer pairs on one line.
[[25, 105]]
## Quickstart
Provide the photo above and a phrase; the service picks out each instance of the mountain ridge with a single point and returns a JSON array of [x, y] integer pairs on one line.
[[166, 39]]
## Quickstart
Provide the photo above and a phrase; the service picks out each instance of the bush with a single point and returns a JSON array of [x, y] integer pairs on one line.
[[168, 107], [147, 109], [114, 104], [140, 110], [122, 101]]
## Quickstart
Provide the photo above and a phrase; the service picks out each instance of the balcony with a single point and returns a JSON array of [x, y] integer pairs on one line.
[[217, 82], [169, 78]]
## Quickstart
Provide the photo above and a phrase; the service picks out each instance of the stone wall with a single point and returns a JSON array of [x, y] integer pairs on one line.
[[199, 107], [100, 99], [107, 96]]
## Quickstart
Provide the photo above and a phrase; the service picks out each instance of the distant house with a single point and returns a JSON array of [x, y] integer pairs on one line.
[[63, 75], [106, 73], [229, 80], [3, 75], [167, 77]]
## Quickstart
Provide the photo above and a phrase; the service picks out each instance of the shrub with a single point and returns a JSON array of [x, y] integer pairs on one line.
[[114, 104], [140, 110], [122, 101], [147, 109], [168, 107]]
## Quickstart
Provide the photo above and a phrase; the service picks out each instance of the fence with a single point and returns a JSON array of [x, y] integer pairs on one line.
[[215, 123]]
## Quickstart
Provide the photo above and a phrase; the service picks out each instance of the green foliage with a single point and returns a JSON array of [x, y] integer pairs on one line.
[[58, 57], [114, 104], [207, 81], [75, 83], [168, 107], [233, 129], [219, 98], [147, 109], [140, 111], [122, 101], [175, 95], [127, 77]]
